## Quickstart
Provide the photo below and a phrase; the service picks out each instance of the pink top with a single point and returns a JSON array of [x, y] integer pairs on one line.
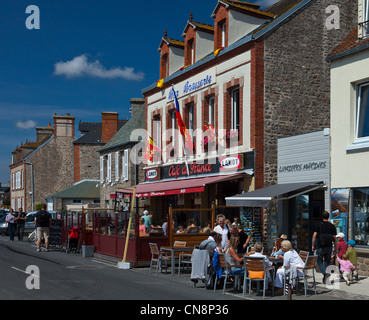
[[346, 265]]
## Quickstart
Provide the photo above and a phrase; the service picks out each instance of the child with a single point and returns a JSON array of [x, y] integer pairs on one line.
[[341, 245], [352, 256], [180, 229], [346, 267]]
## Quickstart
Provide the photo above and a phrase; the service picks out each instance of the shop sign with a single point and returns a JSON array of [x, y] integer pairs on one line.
[[152, 174], [231, 163], [195, 169]]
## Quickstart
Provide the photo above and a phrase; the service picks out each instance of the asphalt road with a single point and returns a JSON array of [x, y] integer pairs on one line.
[[63, 277], [72, 277]]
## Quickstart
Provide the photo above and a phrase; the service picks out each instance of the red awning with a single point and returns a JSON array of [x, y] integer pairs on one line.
[[180, 186]]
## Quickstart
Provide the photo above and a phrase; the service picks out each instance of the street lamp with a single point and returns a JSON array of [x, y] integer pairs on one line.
[[33, 194]]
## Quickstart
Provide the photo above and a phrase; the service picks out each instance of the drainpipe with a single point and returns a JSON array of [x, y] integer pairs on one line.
[[33, 194]]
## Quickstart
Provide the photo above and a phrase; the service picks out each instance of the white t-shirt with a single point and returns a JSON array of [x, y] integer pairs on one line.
[[224, 233]]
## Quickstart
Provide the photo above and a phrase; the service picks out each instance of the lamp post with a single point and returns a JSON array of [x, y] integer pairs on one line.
[[33, 195]]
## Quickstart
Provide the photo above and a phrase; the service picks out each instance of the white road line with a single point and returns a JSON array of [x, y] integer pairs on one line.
[[23, 271], [108, 264]]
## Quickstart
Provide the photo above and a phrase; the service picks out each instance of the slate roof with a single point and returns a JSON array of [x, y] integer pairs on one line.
[[91, 132], [85, 189], [123, 136]]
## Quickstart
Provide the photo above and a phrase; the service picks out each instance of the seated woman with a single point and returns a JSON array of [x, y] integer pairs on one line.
[[277, 250], [232, 257], [192, 228], [290, 259]]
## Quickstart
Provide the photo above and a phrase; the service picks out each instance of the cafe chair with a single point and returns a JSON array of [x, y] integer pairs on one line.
[[256, 270], [310, 263], [304, 255], [226, 271], [185, 258], [158, 257]]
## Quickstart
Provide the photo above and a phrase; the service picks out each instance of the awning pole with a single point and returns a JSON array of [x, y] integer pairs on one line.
[[129, 224]]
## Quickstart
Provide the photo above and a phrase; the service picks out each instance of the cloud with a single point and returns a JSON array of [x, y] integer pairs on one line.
[[80, 66], [266, 3], [24, 125]]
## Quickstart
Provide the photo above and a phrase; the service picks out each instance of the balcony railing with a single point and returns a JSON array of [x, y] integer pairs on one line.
[[363, 29]]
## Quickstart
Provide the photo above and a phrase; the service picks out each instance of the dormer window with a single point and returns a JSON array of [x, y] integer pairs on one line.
[[223, 33], [190, 54]]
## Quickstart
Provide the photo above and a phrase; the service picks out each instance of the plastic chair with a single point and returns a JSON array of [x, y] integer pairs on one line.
[[158, 257], [256, 270]]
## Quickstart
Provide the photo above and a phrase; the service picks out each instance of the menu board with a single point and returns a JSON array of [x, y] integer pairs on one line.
[[251, 221], [56, 232]]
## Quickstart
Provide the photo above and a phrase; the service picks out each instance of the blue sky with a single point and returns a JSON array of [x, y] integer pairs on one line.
[[87, 57]]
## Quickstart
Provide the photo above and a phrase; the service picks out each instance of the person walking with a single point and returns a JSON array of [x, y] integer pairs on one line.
[[42, 222], [20, 219], [324, 237], [10, 223]]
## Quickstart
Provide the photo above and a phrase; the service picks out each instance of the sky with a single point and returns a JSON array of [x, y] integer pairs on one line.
[[84, 57]]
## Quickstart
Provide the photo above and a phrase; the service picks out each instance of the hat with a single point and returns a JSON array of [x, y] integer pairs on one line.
[[351, 243], [284, 237], [340, 235]]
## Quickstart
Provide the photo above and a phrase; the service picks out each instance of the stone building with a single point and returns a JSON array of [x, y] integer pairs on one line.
[[43, 167], [118, 169], [94, 135]]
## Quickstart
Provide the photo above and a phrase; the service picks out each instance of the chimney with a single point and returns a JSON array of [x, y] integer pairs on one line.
[[64, 126], [43, 132], [109, 125], [136, 104]]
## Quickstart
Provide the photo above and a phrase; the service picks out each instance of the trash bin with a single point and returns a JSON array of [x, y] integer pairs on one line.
[[88, 251]]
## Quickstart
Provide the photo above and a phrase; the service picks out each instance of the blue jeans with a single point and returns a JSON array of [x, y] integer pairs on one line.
[[11, 230], [237, 271], [324, 258]]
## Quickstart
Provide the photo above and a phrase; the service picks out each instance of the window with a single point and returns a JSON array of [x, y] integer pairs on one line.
[[362, 114], [101, 169], [191, 119], [361, 216], [117, 166], [108, 171], [125, 165], [223, 27], [157, 131], [76, 201], [211, 102], [235, 121]]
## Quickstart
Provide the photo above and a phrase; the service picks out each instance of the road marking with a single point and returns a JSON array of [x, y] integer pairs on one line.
[[108, 264], [16, 269]]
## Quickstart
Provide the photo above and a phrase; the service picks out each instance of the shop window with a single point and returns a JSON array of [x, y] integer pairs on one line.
[[361, 216], [362, 114]]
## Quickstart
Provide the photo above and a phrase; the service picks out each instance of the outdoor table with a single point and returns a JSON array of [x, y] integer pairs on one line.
[[173, 250], [275, 261]]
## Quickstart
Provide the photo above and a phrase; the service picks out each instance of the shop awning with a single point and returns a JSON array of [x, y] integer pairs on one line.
[[180, 186], [262, 197]]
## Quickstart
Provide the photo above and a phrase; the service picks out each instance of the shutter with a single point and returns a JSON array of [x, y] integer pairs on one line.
[[117, 166], [101, 169], [109, 168], [125, 166], [22, 179]]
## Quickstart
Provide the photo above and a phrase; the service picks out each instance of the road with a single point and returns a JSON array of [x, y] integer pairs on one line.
[[72, 277], [62, 276]]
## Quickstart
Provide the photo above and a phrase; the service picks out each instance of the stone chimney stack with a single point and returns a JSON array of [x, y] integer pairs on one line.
[[42, 132], [64, 126], [109, 125]]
